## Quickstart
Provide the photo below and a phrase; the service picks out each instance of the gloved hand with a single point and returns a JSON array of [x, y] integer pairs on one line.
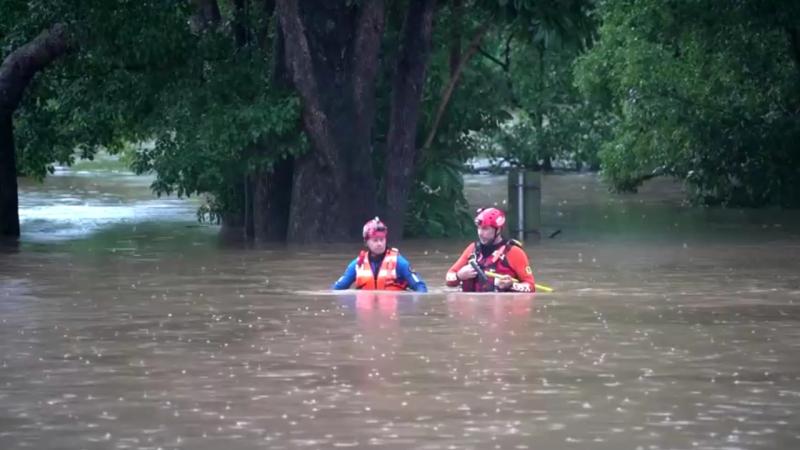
[[466, 273], [503, 282]]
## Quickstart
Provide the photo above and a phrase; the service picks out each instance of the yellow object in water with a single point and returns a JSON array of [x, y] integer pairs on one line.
[[539, 287]]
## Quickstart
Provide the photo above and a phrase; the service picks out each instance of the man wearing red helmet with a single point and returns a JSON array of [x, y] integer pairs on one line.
[[492, 263], [378, 268]]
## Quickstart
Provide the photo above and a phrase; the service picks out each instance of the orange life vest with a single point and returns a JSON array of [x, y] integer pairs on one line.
[[496, 262], [385, 279]]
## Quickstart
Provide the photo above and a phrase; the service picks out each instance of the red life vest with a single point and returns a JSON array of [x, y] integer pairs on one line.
[[496, 262], [385, 279]]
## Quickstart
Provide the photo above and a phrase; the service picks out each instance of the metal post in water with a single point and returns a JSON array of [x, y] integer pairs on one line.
[[524, 204], [520, 206]]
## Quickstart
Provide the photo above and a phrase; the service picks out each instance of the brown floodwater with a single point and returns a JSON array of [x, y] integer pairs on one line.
[[125, 324]]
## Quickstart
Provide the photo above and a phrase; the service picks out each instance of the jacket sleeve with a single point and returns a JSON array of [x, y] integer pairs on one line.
[[519, 263], [450, 279], [347, 278], [405, 273]]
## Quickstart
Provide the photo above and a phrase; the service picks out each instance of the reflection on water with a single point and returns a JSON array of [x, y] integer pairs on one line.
[[141, 330]]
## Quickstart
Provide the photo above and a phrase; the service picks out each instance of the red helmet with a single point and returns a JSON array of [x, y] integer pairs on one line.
[[374, 228], [490, 217]]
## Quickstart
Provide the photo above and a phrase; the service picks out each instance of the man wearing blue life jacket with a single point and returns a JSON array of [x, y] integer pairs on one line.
[[378, 268]]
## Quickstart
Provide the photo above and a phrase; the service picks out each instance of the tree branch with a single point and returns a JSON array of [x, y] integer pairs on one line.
[[22, 64], [507, 51], [491, 58], [448, 92], [455, 35], [298, 59]]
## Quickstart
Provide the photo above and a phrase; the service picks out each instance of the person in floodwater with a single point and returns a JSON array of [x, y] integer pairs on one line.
[[378, 268], [492, 263]]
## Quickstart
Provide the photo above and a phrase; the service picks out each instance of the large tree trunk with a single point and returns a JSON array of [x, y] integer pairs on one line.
[[16, 72], [9, 214], [267, 201], [334, 71], [272, 188], [272, 197], [234, 221], [407, 85], [547, 164]]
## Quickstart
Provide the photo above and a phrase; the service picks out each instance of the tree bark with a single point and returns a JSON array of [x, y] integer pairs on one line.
[[333, 71], [281, 78], [23, 63], [249, 180], [547, 164], [9, 207], [455, 36], [272, 188], [16, 72], [407, 86], [272, 197]]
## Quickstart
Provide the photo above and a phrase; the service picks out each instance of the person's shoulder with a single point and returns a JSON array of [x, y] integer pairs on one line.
[[514, 243], [403, 262], [515, 248], [402, 259]]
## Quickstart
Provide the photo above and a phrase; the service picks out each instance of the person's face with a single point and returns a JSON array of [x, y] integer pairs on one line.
[[377, 244], [486, 235]]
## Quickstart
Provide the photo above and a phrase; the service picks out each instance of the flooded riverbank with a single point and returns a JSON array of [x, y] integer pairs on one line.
[[126, 324]]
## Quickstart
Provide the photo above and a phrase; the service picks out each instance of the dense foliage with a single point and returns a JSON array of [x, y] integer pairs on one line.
[[705, 91], [701, 90]]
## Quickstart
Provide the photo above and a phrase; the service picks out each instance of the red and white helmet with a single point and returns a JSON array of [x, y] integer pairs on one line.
[[374, 228], [490, 217]]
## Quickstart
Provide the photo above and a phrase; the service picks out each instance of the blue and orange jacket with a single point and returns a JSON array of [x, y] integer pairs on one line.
[[392, 273]]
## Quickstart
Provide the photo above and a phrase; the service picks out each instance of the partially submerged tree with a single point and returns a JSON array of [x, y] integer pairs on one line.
[[270, 107], [16, 73]]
